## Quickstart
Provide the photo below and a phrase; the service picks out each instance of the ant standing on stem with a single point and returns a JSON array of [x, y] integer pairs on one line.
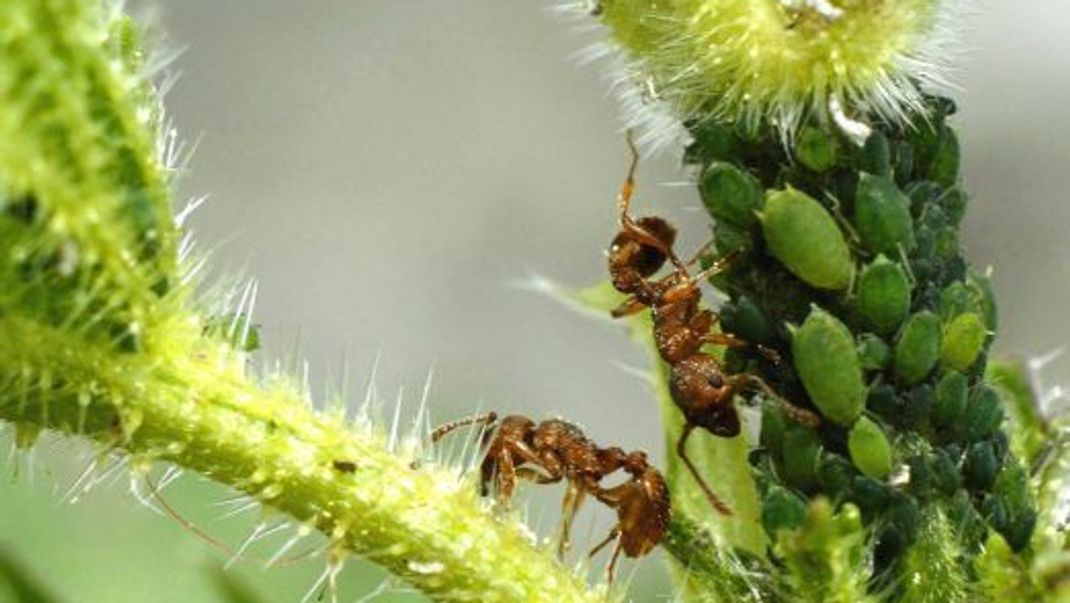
[[698, 384], [552, 450]]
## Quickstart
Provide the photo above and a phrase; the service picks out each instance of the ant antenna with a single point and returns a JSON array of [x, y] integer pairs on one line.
[[486, 420], [718, 266]]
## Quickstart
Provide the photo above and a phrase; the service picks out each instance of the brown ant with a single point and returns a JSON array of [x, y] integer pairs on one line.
[[516, 445], [643, 511], [698, 384]]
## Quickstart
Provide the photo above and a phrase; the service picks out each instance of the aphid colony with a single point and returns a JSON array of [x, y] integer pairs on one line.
[[848, 263], [515, 447]]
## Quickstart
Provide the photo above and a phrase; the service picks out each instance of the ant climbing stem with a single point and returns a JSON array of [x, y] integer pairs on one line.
[[555, 450]]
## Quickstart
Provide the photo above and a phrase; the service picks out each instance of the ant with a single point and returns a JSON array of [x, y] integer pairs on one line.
[[562, 451], [698, 384], [643, 511]]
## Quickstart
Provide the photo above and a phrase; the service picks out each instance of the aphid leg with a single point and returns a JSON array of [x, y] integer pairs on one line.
[[574, 496], [486, 420], [681, 451], [801, 416]]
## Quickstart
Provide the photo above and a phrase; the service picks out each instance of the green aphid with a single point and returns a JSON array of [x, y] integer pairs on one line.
[[744, 318], [873, 353], [816, 149], [904, 161], [730, 194], [983, 416], [772, 431], [802, 234], [835, 474], [871, 495], [946, 476], [981, 466], [903, 516], [964, 338], [729, 238], [1013, 485], [1020, 531], [954, 202], [982, 283], [802, 452], [869, 448], [782, 510], [876, 155], [951, 393], [917, 405], [882, 216], [922, 475], [826, 361], [944, 169], [918, 348], [958, 298], [883, 295]]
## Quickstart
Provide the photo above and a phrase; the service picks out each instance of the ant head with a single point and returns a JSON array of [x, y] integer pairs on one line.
[[642, 257], [636, 462]]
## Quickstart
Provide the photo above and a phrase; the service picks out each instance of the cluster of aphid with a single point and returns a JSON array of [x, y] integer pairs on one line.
[[517, 448], [847, 264]]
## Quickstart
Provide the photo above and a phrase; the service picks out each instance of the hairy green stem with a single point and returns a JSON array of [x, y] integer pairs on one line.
[[103, 335]]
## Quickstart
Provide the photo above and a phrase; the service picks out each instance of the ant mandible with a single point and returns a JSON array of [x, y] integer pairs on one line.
[[698, 384], [562, 451]]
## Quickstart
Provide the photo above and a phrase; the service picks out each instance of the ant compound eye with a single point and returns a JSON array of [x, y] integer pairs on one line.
[[730, 194], [882, 216], [803, 236], [815, 149], [964, 338], [918, 348], [869, 448], [883, 295], [827, 363]]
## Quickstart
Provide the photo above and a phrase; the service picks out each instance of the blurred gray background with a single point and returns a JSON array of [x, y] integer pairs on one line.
[[387, 169]]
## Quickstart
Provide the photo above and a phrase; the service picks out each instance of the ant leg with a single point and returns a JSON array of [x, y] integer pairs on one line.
[[630, 306], [801, 416], [612, 564], [681, 451], [624, 200], [614, 533], [534, 476], [506, 479], [570, 506]]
